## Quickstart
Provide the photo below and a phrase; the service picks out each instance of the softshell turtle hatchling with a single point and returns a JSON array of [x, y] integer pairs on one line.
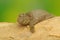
[[33, 17]]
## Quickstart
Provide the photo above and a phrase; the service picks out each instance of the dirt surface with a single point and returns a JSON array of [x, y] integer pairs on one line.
[[45, 30]]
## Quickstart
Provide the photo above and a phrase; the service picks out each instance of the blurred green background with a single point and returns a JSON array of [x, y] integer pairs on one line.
[[9, 9]]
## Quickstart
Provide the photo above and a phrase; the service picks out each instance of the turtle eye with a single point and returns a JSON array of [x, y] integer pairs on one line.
[[21, 15]]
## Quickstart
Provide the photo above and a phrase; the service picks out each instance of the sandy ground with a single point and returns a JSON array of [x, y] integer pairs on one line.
[[45, 30]]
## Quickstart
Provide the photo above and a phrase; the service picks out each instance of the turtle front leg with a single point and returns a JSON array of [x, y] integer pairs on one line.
[[32, 24]]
